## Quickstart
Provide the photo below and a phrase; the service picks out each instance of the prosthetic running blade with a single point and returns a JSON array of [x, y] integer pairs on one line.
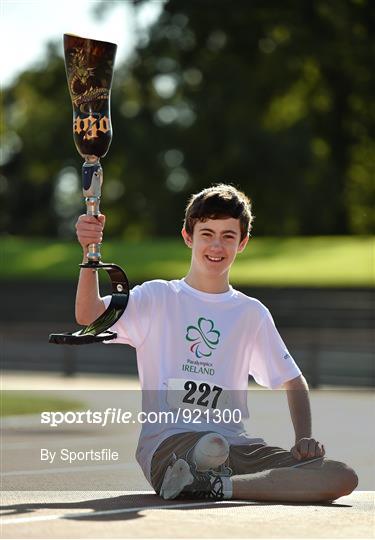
[[98, 331]]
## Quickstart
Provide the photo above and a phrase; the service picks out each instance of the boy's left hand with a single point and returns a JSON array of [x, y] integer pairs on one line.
[[307, 448]]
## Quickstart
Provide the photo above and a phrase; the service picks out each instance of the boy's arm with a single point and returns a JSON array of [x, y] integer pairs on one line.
[[299, 406], [89, 305]]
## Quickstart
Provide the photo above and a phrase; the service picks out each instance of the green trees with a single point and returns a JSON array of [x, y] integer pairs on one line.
[[36, 120], [275, 98]]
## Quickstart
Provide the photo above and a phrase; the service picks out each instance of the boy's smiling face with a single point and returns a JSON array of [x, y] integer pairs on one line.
[[215, 244]]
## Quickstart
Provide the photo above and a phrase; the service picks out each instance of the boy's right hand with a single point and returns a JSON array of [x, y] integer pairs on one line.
[[90, 230]]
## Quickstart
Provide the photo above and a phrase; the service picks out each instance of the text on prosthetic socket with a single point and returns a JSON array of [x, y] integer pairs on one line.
[[113, 415]]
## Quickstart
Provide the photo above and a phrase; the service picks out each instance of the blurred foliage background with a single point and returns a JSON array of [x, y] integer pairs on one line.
[[276, 98]]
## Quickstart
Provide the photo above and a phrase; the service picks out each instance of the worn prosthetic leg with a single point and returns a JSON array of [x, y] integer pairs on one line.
[[201, 473], [89, 69]]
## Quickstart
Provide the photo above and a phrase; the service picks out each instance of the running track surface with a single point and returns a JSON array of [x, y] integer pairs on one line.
[[139, 513]]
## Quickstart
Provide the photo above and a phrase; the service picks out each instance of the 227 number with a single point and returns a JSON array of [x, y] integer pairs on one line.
[[205, 391]]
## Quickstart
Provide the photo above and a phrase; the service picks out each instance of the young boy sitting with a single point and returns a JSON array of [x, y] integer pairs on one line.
[[197, 340]]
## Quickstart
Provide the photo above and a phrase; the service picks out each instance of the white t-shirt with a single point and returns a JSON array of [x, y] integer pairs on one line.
[[194, 348]]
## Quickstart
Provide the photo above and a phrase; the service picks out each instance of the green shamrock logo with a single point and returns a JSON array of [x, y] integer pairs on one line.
[[204, 337]]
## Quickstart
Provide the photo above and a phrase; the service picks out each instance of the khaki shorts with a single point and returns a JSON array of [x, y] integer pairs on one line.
[[243, 459]]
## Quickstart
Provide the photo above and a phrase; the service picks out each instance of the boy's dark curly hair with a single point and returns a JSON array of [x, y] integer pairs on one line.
[[217, 202]]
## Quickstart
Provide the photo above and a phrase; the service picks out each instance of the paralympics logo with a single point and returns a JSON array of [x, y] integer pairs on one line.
[[204, 336]]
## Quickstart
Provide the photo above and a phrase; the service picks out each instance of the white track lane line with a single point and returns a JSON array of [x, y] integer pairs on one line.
[[56, 444], [63, 470], [16, 521], [90, 468]]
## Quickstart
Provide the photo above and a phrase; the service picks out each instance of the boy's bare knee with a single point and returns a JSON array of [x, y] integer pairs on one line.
[[343, 479], [349, 480]]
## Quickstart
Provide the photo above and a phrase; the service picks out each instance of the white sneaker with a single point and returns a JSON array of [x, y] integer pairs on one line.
[[182, 479], [176, 477]]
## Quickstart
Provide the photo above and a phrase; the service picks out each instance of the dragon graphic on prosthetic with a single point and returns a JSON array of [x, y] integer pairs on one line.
[[80, 78]]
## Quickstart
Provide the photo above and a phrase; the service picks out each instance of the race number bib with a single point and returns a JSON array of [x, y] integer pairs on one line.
[[192, 394]]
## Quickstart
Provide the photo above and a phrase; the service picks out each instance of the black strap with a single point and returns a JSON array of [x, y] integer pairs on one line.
[[97, 331]]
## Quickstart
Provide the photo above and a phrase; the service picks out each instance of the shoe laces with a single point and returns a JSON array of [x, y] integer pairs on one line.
[[206, 485]]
